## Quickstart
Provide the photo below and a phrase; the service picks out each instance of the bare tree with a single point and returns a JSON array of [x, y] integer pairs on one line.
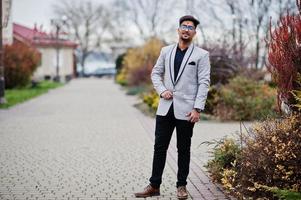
[[284, 6], [222, 21], [249, 20], [86, 22], [243, 22], [120, 29], [260, 14], [150, 17], [193, 8]]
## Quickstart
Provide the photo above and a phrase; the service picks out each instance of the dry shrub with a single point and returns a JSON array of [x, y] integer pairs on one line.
[[151, 99], [254, 74], [268, 161], [222, 69], [225, 153], [138, 63], [210, 102], [297, 95], [272, 155], [244, 99]]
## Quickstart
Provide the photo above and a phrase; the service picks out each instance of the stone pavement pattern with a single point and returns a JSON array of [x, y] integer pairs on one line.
[[87, 141]]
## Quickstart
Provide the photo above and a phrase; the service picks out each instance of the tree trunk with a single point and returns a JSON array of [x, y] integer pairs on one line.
[[257, 50], [83, 61]]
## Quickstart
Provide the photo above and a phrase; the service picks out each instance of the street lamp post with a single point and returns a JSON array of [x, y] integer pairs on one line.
[[58, 23], [57, 77]]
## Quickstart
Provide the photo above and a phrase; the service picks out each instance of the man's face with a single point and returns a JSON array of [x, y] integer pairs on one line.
[[186, 31]]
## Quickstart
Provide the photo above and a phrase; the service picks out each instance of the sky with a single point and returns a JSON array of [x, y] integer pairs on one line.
[[29, 12]]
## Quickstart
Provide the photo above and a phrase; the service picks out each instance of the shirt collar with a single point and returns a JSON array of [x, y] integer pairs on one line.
[[178, 48]]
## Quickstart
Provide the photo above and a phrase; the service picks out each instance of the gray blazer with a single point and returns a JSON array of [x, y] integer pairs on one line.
[[191, 85]]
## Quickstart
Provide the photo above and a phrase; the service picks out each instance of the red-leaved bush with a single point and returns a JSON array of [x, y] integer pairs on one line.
[[20, 62], [285, 55]]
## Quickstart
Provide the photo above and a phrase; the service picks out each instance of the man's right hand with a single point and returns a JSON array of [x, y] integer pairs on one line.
[[166, 95]]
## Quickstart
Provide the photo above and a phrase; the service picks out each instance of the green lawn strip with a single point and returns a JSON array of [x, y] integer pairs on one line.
[[15, 96], [287, 194]]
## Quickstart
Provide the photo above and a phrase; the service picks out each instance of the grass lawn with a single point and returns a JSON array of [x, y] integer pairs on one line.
[[15, 96], [287, 195]]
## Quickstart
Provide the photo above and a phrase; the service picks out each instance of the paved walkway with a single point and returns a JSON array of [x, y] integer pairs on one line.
[[87, 141]]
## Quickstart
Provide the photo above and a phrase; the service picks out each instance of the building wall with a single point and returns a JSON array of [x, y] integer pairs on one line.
[[49, 63]]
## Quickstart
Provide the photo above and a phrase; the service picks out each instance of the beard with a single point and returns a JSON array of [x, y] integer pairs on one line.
[[185, 39]]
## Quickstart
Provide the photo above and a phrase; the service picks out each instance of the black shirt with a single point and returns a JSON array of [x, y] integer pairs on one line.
[[178, 60]]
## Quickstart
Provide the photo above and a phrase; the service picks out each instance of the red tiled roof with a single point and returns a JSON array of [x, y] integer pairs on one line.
[[39, 38]]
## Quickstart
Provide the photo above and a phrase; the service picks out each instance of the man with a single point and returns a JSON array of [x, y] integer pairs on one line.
[[181, 77]]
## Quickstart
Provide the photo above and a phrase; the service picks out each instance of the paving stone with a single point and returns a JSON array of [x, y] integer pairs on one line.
[[84, 141]]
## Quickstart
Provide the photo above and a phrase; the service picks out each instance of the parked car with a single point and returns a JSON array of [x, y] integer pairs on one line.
[[100, 72]]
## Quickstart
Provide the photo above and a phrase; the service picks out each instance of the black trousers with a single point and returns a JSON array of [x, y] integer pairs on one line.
[[165, 126]]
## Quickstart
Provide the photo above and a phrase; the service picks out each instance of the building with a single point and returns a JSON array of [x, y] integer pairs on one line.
[[54, 52]]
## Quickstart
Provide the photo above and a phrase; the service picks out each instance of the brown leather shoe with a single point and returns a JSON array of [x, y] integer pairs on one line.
[[182, 192], [149, 191]]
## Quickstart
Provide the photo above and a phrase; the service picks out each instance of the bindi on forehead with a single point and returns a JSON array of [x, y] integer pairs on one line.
[[188, 23]]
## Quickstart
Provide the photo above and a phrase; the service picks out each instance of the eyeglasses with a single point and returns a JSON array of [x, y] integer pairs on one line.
[[187, 27]]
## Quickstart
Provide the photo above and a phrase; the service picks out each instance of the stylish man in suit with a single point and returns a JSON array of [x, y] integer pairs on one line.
[[181, 77]]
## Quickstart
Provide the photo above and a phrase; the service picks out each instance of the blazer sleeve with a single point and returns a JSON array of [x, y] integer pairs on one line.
[[203, 82], [158, 73]]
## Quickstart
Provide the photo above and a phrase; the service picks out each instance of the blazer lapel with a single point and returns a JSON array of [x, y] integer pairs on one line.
[[172, 63], [184, 62]]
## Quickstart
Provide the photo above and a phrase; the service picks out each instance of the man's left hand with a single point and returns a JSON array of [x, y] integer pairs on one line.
[[194, 116]]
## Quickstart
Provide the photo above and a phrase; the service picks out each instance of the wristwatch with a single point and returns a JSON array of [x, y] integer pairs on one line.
[[198, 110]]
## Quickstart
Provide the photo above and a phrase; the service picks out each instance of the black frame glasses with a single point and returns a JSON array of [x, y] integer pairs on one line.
[[187, 27]]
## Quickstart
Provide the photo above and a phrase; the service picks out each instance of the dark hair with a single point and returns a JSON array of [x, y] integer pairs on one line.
[[189, 18]]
